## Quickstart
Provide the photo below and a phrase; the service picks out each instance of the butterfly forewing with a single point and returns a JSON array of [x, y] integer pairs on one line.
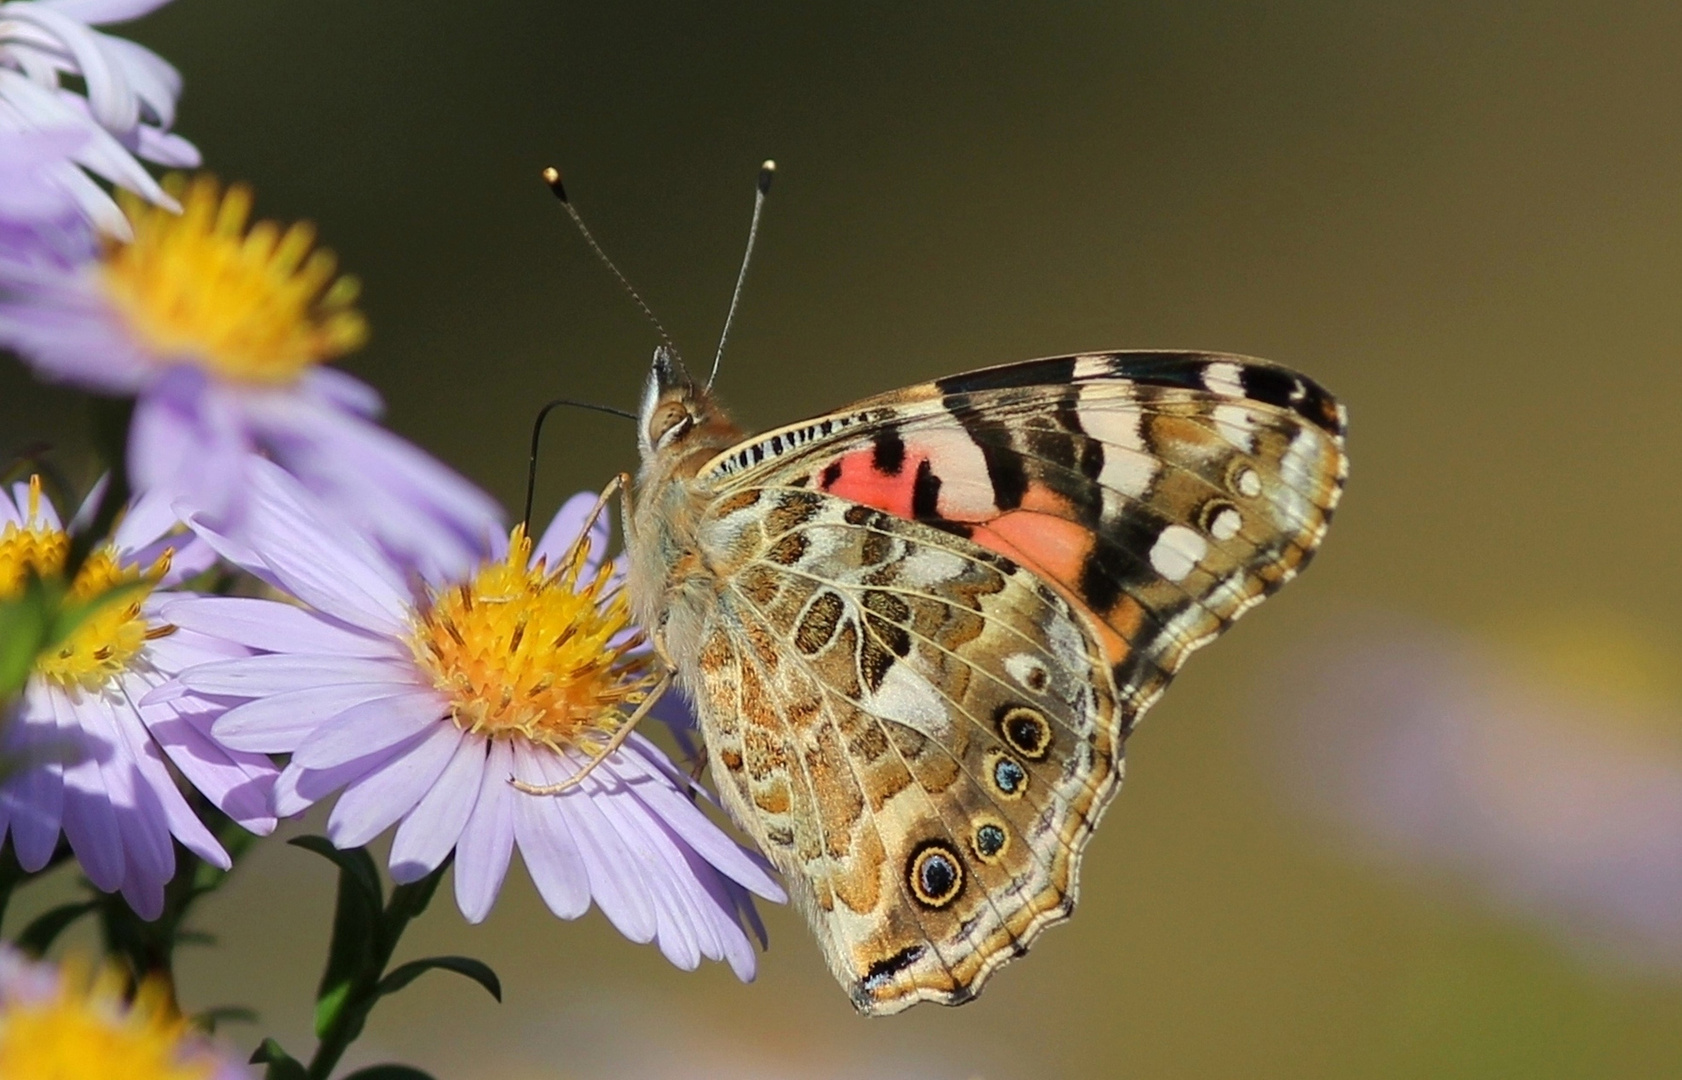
[[1164, 493], [918, 630]]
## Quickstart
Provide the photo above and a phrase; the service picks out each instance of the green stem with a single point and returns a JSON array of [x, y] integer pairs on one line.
[[347, 1008], [111, 417], [11, 876]]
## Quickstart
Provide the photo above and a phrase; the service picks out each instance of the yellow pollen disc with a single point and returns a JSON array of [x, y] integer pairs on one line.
[[257, 306], [525, 651], [104, 643], [33, 550], [87, 1030]]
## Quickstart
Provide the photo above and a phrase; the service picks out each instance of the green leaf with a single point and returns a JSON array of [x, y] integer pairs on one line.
[[25, 621], [71, 614], [355, 863], [111, 421], [40, 617], [47, 926], [389, 1072], [207, 1020], [477, 970], [408, 901], [282, 1066], [330, 1003]]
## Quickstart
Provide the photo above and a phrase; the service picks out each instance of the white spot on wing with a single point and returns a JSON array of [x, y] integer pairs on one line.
[[1177, 551], [930, 566], [1299, 473], [1226, 524], [1023, 668], [1224, 378], [1237, 426], [1128, 466], [966, 492], [1092, 367], [910, 699]]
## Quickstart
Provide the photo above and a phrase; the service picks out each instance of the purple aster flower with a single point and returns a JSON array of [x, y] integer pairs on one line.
[[70, 1021], [220, 332], [1555, 804], [41, 220], [127, 110], [85, 755], [424, 709]]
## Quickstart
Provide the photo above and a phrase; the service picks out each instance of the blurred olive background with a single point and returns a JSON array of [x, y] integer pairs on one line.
[[1466, 220]]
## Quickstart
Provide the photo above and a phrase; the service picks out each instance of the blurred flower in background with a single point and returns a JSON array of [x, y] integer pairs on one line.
[[221, 333], [84, 755], [1558, 797], [123, 116], [423, 711], [67, 1023], [41, 221]]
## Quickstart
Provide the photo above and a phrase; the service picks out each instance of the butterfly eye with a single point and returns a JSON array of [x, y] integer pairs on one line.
[[935, 874], [669, 423]]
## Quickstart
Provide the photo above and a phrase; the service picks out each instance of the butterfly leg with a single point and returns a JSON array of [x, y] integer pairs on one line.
[[627, 520], [702, 759], [619, 484], [618, 740]]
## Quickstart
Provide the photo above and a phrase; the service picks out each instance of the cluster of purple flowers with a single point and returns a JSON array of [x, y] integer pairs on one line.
[[244, 450]]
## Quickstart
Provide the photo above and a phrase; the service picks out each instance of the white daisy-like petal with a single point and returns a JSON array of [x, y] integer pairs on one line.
[[37, 795], [280, 673], [90, 821], [380, 798], [487, 842], [258, 624], [277, 723], [540, 826], [614, 869], [297, 788], [430, 830], [369, 728], [88, 757]]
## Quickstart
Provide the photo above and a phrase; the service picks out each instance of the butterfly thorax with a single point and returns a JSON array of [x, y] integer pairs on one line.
[[682, 427]]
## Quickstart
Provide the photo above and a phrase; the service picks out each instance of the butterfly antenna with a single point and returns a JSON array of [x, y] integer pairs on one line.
[[767, 170], [552, 177], [537, 437]]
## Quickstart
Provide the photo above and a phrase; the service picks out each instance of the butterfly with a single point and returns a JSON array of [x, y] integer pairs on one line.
[[917, 631]]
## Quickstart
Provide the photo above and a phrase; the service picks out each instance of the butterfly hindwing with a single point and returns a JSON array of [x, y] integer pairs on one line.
[[916, 730]]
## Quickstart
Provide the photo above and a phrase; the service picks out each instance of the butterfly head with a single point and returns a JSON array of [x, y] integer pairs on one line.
[[681, 422]]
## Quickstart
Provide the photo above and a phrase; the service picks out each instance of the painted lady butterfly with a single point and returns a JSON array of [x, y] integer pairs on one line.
[[917, 631]]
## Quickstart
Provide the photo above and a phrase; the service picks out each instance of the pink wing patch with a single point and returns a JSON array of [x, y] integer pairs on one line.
[[943, 477]]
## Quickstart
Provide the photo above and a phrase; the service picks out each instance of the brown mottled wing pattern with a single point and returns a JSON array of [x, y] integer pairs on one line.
[[920, 735], [941, 610]]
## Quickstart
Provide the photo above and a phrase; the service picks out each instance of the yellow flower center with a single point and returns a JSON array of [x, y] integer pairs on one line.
[[102, 645], [34, 550], [86, 1032], [521, 650], [256, 306]]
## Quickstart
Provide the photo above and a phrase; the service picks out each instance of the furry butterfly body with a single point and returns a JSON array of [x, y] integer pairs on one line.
[[917, 631]]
